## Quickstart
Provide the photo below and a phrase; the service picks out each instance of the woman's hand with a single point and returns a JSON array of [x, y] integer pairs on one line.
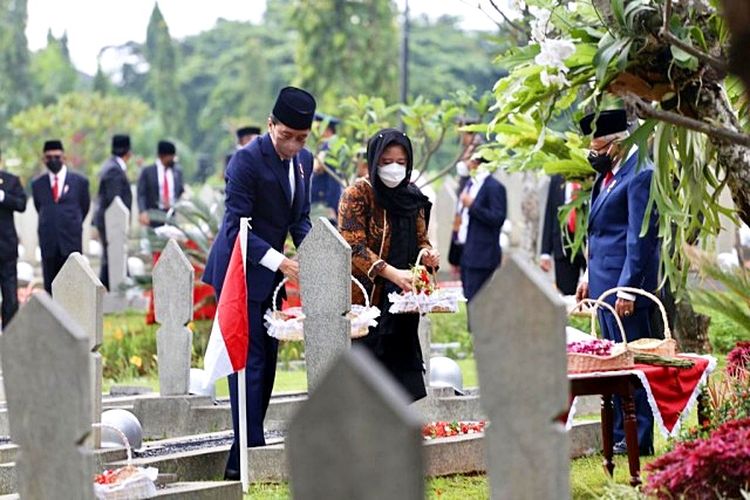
[[431, 258], [398, 277]]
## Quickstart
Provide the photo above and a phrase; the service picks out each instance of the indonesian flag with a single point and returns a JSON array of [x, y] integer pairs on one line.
[[226, 352]]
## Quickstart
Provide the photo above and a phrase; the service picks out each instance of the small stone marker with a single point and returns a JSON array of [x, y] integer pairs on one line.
[[173, 307], [45, 356], [325, 286], [78, 290], [356, 437], [116, 223], [518, 322]]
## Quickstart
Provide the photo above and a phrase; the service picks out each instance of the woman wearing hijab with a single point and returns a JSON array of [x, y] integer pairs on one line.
[[384, 220]]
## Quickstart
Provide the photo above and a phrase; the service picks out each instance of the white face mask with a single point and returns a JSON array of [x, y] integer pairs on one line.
[[392, 174]]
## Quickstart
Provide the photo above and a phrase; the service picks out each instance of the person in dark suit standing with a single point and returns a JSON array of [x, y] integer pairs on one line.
[[12, 199], [269, 181], [62, 200], [245, 136], [555, 240], [113, 182], [326, 188], [483, 207], [159, 185], [618, 255]]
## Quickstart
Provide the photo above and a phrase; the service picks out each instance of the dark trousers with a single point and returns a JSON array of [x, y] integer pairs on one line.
[[260, 374], [51, 265], [568, 273], [636, 326], [9, 289], [473, 278]]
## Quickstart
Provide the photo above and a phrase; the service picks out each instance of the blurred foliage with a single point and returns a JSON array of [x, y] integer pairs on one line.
[[83, 121], [346, 47], [53, 72], [16, 89]]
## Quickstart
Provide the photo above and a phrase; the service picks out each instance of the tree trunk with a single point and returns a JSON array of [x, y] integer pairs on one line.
[[713, 105], [691, 328], [531, 215]]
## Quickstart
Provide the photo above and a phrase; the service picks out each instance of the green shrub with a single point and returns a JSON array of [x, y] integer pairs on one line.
[[453, 328]]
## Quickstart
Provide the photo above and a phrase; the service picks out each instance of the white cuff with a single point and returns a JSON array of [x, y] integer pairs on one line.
[[2, 196], [626, 296], [585, 277], [272, 259], [545, 256]]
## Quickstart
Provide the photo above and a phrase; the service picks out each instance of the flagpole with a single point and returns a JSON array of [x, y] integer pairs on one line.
[[242, 402], [241, 382]]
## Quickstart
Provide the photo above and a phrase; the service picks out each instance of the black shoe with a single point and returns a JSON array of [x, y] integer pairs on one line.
[[646, 452], [231, 475], [620, 448]]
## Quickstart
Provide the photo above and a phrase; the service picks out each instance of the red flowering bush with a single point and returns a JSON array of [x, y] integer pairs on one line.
[[716, 467], [738, 359]]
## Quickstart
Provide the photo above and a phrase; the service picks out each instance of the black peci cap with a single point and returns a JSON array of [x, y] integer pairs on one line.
[[609, 122], [295, 108], [166, 148], [53, 145]]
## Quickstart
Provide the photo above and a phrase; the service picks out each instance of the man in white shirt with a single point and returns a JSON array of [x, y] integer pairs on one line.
[[160, 186], [269, 181]]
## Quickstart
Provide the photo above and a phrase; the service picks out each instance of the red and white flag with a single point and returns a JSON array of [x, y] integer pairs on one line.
[[226, 352]]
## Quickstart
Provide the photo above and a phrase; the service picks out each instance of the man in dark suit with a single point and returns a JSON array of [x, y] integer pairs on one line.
[[617, 253], [555, 240], [483, 206], [62, 200], [159, 185], [326, 188], [245, 136], [12, 199], [269, 181], [113, 182]]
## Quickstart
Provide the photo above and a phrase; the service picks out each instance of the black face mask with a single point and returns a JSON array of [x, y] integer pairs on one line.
[[54, 165], [601, 163]]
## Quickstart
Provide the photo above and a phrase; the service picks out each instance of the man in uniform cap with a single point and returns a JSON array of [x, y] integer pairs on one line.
[[326, 188], [159, 185], [269, 181], [62, 200], [245, 136], [618, 256], [113, 182], [12, 199]]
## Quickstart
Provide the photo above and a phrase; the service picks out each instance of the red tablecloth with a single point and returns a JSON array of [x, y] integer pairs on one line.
[[672, 392]]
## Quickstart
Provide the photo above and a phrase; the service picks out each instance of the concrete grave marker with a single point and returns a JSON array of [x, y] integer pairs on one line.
[[45, 356], [518, 322], [356, 437], [445, 211], [173, 307], [325, 286], [78, 290], [116, 224], [425, 339]]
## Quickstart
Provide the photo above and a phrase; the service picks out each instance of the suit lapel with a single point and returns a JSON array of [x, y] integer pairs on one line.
[[616, 181], [277, 166]]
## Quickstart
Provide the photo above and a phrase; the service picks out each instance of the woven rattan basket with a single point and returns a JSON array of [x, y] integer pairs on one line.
[[620, 360], [288, 325], [661, 347]]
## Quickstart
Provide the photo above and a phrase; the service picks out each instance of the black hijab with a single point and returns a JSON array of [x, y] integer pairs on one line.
[[402, 203]]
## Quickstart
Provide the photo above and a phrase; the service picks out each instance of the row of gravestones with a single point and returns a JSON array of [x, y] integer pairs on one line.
[[50, 396]]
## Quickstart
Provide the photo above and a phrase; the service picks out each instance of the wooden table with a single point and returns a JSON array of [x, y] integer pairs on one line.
[[606, 386]]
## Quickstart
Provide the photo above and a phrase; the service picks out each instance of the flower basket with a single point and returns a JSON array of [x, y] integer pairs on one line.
[[620, 357], [288, 325], [125, 483], [661, 347], [426, 297]]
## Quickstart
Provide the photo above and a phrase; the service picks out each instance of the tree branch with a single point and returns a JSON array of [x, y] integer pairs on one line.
[[666, 35], [645, 110], [513, 25]]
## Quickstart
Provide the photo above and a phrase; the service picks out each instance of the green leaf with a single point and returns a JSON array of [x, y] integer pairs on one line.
[[617, 10]]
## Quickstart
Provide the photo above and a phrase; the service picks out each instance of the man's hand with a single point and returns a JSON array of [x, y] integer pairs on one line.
[[466, 200], [624, 308], [144, 219], [431, 258], [582, 292], [545, 263], [290, 268], [398, 277]]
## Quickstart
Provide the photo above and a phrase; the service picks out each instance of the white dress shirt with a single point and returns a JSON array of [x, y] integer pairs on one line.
[[60, 180], [273, 258], [476, 184], [122, 163], [160, 171]]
